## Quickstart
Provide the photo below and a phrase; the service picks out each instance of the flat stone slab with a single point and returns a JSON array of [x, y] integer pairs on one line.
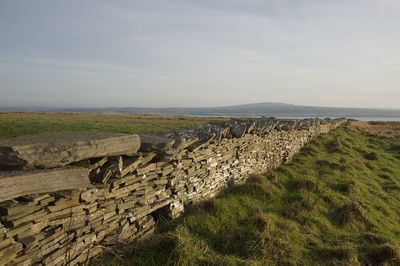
[[15, 184], [56, 149], [155, 142]]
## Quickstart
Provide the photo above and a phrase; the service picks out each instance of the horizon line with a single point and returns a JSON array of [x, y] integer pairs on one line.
[[195, 107]]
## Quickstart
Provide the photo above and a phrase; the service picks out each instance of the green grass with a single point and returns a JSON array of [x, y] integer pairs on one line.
[[335, 203], [17, 124]]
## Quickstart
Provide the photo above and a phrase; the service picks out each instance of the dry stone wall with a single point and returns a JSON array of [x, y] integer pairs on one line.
[[62, 199]]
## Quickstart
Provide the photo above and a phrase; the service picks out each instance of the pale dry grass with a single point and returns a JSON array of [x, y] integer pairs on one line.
[[385, 129]]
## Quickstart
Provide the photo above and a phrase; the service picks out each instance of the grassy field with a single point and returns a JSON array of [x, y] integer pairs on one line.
[[16, 124], [335, 203]]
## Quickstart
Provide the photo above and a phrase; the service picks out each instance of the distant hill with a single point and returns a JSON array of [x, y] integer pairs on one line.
[[256, 109]]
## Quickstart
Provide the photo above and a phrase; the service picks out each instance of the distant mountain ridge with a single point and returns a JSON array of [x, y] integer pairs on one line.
[[249, 110]]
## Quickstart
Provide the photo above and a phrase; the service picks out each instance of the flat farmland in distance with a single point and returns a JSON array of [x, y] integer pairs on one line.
[[17, 124]]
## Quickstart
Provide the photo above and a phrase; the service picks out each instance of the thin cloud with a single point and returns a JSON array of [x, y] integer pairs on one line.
[[203, 53]]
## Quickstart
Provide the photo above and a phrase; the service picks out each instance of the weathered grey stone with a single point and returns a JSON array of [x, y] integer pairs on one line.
[[155, 142], [18, 183], [56, 149]]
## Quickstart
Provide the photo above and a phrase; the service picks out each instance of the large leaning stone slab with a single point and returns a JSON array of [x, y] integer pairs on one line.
[[154, 142], [57, 149], [15, 184]]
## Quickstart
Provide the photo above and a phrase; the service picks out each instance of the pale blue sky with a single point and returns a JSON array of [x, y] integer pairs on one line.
[[159, 53]]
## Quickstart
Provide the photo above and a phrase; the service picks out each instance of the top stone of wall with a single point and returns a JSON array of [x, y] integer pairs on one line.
[[57, 149], [191, 139]]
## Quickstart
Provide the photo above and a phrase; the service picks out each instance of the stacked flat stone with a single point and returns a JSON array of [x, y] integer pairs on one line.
[[65, 196]]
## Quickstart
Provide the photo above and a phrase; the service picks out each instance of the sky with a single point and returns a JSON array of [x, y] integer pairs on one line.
[[168, 53]]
